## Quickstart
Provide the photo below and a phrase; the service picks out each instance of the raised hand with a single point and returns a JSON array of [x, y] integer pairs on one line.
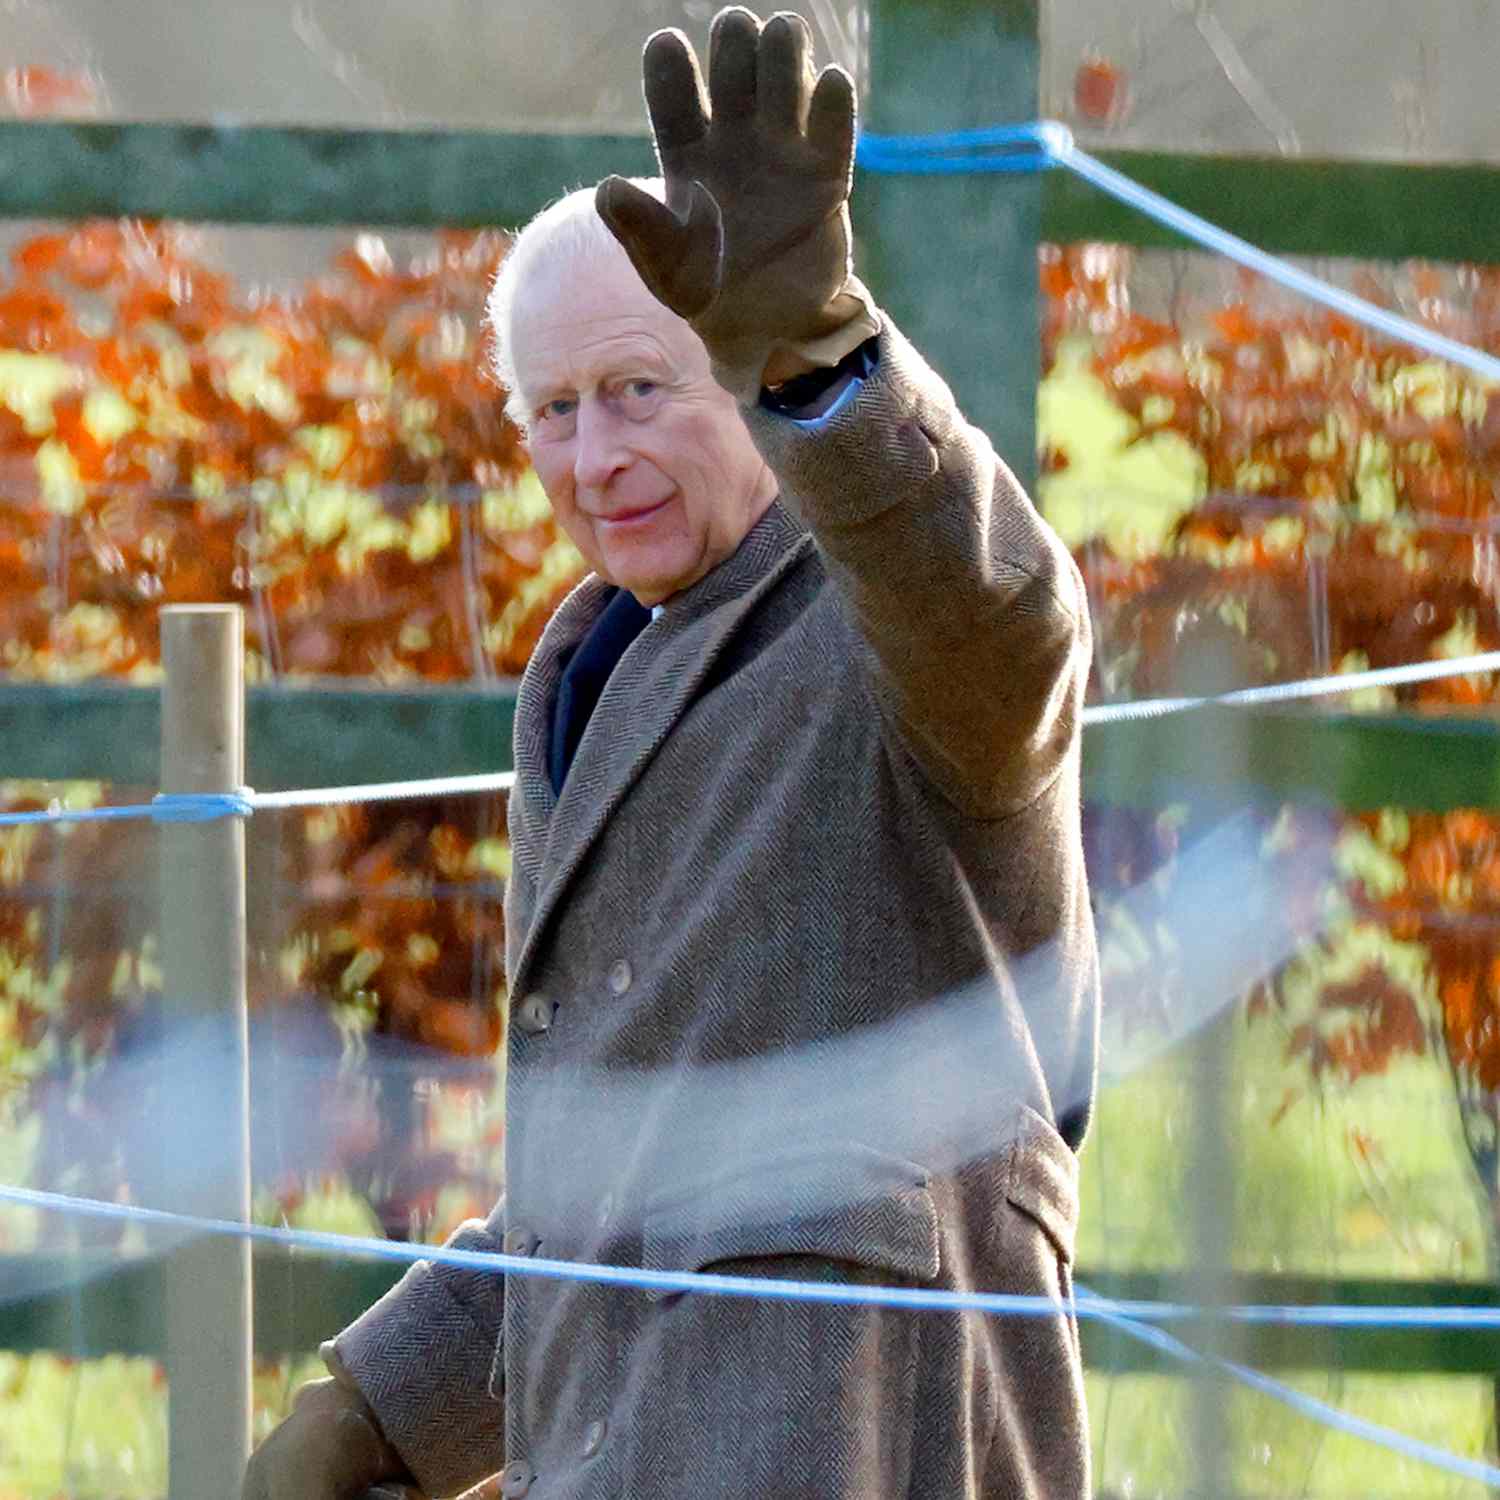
[[752, 246]]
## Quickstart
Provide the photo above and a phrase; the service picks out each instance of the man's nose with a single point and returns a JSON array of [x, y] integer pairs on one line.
[[601, 452]]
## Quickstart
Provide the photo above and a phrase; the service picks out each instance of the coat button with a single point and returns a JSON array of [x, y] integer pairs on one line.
[[515, 1479], [620, 976], [593, 1437], [534, 1014], [519, 1242]]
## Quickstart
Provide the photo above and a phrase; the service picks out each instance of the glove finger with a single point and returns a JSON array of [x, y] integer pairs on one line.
[[644, 225], [732, 45], [674, 93], [677, 258], [783, 79], [830, 120]]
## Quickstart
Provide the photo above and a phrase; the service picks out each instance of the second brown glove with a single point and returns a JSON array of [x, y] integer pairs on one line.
[[330, 1447]]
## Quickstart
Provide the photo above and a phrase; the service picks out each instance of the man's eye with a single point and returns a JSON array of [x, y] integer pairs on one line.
[[639, 399], [563, 406]]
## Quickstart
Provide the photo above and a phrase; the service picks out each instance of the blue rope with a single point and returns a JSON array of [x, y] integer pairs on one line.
[[997, 148], [1308, 1406], [1046, 143], [1044, 136], [1122, 1315], [200, 807], [167, 807], [915, 1299]]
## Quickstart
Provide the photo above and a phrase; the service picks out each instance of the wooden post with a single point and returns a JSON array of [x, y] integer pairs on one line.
[[203, 964], [1210, 1188]]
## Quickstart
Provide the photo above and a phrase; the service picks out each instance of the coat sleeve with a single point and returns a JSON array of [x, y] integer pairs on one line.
[[427, 1357], [972, 610]]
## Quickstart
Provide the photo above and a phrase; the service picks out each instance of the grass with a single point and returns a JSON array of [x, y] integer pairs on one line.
[[1328, 1178]]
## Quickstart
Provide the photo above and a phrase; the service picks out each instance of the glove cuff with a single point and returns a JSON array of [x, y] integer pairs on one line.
[[852, 319], [857, 320]]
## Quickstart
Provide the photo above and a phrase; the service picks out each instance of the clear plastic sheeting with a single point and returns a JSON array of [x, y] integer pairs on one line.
[[375, 988], [1295, 1105], [1300, 1061], [375, 1093], [1258, 491], [573, 65], [1294, 1087], [1301, 1051], [1272, 77]]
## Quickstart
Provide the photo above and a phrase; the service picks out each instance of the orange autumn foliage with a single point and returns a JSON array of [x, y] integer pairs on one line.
[[335, 458], [1289, 568], [1450, 903]]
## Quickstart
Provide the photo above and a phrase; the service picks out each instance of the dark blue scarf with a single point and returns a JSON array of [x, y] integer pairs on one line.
[[584, 676]]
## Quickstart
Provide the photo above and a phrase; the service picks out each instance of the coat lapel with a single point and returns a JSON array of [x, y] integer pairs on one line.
[[646, 695]]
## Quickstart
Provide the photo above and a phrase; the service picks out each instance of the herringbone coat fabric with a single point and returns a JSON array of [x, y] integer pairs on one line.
[[802, 986]]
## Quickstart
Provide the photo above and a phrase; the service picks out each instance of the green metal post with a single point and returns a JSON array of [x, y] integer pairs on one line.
[[954, 259]]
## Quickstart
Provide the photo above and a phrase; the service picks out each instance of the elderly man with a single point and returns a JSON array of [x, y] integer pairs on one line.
[[802, 976]]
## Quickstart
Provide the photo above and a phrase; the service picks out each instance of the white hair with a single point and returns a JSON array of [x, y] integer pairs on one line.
[[569, 230]]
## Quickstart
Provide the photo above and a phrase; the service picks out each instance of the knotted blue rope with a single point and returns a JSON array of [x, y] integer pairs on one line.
[[997, 148], [1041, 144]]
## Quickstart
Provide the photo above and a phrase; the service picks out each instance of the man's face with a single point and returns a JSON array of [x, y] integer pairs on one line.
[[645, 458]]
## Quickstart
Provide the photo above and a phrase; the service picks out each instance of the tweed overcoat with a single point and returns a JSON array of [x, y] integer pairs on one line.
[[802, 985]]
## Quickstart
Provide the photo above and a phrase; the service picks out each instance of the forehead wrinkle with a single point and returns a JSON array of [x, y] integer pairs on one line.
[[592, 358]]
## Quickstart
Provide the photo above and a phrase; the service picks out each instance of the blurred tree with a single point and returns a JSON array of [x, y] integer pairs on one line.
[[336, 459]]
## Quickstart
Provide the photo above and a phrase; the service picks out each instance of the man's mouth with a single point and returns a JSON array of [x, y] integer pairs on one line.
[[632, 517]]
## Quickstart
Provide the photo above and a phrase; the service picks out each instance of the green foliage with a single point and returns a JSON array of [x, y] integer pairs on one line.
[[1134, 1171], [1142, 1427], [1276, 1453], [1366, 1178], [1329, 1178], [97, 1429], [90, 1430]]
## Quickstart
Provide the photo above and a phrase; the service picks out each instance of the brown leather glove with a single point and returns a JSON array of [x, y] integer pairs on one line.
[[752, 246], [330, 1447]]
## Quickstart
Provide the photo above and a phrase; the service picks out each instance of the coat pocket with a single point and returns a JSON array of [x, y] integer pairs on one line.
[[847, 1203], [1042, 1181]]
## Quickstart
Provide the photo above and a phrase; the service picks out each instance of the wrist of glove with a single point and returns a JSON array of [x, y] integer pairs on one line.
[[330, 1447], [740, 365]]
